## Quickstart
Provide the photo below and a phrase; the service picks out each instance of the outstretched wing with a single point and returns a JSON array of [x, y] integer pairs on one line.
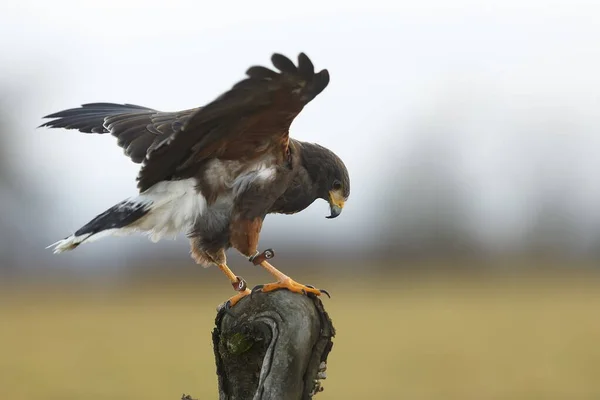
[[246, 122], [137, 128]]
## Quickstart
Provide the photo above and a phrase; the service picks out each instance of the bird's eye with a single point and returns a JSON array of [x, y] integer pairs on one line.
[[337, 185]]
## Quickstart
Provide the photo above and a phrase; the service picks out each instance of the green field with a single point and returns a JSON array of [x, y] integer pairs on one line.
[[520, 337]]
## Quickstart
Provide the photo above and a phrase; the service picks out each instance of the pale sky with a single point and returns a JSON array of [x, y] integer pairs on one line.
[[516, 84]]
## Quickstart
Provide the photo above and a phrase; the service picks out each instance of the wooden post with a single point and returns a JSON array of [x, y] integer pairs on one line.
[[272, 346]]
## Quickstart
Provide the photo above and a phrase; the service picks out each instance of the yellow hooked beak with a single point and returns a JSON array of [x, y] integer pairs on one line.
[[336, 203]]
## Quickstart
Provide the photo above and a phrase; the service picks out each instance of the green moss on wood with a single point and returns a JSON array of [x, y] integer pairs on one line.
[[238, 344]]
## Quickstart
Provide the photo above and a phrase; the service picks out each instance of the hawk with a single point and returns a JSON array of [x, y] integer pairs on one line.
[[215, 172]]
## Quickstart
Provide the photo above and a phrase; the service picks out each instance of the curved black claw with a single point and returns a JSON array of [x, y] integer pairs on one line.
[[256, 288], [225, 307], [320, 290]]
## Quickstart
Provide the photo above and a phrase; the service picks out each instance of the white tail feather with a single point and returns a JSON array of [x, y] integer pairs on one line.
[[66, 244], [174, 207], [73, 241]]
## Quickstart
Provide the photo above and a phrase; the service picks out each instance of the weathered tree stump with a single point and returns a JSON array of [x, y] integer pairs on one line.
[[272, 346]]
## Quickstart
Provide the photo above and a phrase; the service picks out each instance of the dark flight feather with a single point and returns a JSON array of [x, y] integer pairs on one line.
[[118, 216], [237, 152], [248, 121], [136, 128]]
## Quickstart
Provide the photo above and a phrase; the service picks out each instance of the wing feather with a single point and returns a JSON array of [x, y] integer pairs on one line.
[[138, 147], [244, 123], [136, 128]]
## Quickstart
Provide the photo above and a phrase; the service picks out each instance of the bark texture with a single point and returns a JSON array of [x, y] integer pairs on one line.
[[272, 346]]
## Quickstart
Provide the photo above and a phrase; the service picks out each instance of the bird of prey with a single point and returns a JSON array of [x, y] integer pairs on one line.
[[215, 172]]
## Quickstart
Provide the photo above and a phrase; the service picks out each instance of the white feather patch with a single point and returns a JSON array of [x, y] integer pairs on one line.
[[174, 207], [259, 172], [73, 241]]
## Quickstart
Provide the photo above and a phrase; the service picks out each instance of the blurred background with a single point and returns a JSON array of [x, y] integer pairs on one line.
[[469, 249]]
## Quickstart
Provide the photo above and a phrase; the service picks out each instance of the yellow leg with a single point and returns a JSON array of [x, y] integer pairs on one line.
[[228, 273], [285, 282], [238, 285], [233, 300]]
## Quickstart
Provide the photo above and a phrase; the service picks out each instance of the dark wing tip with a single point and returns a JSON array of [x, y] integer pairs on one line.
[[283, 64], [259, 72], [321, 80], [301, 76], [59, 114], [305, 71], [305, 66], [89, 117], [316, 84]]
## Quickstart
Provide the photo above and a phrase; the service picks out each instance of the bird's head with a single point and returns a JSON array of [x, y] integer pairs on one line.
[[329, 175]]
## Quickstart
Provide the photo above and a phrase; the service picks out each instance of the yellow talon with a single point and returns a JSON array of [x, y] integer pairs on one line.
[[235, 299], [290, 285]]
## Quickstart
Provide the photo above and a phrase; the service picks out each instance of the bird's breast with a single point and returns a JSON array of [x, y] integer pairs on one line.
[[235, 177]]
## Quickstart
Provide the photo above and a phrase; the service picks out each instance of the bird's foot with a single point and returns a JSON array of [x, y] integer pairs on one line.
[[235, 299], [239, 286], [283, 281], [292, 286]]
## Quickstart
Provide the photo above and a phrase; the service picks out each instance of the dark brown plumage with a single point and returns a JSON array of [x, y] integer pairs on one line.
[[248, 121], [136, 128], [216, 171]]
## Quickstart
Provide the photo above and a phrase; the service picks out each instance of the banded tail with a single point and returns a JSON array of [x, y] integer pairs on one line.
[[114, 221], [167, 208]]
